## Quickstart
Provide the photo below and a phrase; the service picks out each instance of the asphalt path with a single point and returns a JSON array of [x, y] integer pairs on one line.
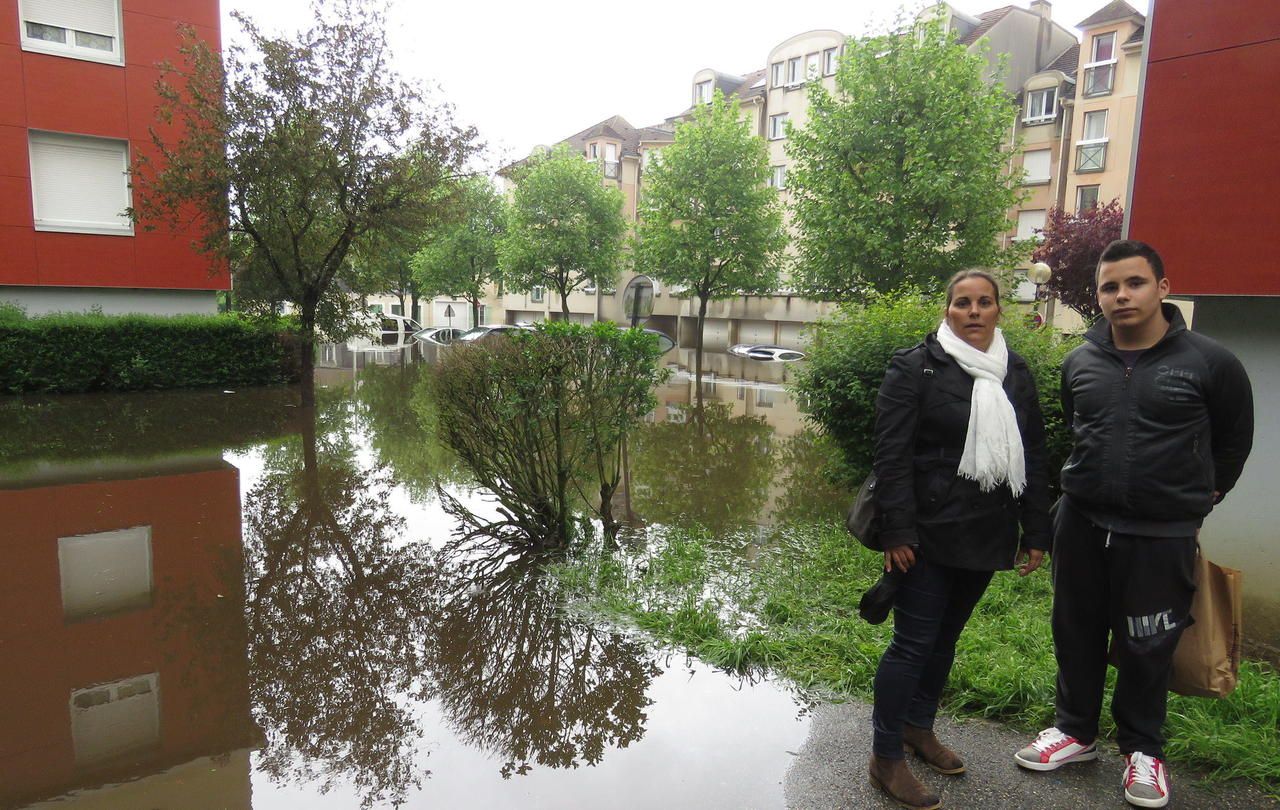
[[830, 772]]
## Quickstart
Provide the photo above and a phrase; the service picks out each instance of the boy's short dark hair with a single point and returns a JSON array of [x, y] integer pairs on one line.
[[1128, 248]]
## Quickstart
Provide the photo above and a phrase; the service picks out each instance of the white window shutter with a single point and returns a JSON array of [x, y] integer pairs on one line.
[[92, 16], [79, 183], [1036, 164]]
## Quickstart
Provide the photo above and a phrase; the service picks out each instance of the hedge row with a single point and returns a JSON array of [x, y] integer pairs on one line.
[[67, 353]]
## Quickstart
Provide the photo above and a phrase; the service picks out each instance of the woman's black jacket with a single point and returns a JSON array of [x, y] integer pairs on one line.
[[921, 498]]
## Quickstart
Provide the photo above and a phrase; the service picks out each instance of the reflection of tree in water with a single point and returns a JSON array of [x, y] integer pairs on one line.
[[396, 405], [336, 615], [808, 493], [522, 680], [712, 472]]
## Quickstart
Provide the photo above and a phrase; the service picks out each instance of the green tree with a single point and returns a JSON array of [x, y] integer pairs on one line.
[[708, 220], [901, 176], [564, 229], [460, 258], [301, 150]]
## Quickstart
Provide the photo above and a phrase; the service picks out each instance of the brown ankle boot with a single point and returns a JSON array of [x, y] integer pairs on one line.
[[924, 744], [896, 779]]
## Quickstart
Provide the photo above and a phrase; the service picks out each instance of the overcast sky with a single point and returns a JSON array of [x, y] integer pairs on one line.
[[535, 72]]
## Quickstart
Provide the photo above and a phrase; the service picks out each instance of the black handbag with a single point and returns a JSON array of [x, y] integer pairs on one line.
[[863, 518]]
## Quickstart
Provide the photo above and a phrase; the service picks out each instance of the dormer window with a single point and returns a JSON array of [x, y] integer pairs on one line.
[[1041, 106], [702, 92], [1100, 73], [593, 151]]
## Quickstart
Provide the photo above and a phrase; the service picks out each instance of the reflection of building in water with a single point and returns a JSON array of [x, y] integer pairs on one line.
[[123, 637], [748, 387]]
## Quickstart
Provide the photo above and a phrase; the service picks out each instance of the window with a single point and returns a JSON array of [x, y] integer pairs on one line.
[[793, 71], [812, 67], [1100, 72], [1086, 198], [111, 720], [1041, 106], [777, 76], [829, 61], [1035, 164], [702, 92], [80, 184], [778, 177], [396, 309], [611, 160], [81, 29], [593, 151], [537, 294], [1091, 150], [483, 314], [105, 573], [1028, 223], [777, 126]]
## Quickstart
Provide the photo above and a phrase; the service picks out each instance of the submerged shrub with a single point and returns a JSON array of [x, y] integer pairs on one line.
[[850, 352], [538, 417]]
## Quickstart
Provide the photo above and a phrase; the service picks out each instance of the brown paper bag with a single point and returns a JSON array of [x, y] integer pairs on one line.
[[1206, 662]]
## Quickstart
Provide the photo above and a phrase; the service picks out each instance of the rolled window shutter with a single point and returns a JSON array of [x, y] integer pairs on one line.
[[92, 16], [79, 181]]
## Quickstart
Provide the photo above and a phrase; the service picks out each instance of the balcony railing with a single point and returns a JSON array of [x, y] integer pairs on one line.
[[611, 169], [1099, 79], [1091, 157]]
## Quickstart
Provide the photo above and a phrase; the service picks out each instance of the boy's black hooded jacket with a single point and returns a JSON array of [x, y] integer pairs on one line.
[[1154, 444]]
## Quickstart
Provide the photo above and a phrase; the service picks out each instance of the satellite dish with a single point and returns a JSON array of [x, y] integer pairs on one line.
[[637, 300]]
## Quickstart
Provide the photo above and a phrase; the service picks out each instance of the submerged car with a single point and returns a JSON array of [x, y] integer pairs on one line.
[[489, 330], [765, 352], [438, 335]]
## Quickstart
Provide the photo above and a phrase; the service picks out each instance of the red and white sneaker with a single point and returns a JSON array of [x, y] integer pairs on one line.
[[1052, 749], [1146, 784]]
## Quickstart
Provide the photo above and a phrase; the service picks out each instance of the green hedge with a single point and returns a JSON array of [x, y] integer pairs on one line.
[[850, 351], [68, 353]]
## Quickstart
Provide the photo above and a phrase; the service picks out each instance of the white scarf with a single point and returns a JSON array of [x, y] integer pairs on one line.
[[993, 444]]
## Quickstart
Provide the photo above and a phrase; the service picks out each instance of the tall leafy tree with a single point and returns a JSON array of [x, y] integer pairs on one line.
[[460, 258], [708, 221], [901, 175], [564, 229], [1072, 246], [384, 264], [301, 150]]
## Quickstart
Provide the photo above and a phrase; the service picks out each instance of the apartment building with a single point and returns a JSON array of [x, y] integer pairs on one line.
[[1074, 144], [77, 101]]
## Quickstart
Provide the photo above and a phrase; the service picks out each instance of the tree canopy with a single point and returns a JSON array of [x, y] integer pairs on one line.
[[1072, 246], [708, 220], [564, 228], [460, 257], [901, 175], [300, 150]]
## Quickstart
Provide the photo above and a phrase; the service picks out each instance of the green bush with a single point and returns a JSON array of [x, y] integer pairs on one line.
[[849, 353], [69, 353], [538, 417]]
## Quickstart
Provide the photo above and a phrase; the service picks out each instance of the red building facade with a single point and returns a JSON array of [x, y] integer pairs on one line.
[[77, 101]]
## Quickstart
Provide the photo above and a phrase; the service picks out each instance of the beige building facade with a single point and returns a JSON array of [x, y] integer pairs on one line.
[[1073, 148]]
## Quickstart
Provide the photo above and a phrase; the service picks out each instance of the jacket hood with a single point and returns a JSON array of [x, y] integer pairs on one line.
[[1100, 332]]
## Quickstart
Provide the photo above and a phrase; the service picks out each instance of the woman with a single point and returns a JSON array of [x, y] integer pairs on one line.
[[960, 461]]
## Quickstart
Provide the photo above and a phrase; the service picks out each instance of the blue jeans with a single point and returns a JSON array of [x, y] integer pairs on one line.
[[934, 602]]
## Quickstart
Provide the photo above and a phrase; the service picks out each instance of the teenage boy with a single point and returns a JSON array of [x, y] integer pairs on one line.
[[1162, 420]]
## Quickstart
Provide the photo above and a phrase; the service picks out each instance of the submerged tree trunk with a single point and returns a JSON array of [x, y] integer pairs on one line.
[[564, 303], [307, 353], [697, 354]]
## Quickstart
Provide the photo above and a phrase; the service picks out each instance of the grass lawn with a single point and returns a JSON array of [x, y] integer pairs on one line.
[[789, 608]]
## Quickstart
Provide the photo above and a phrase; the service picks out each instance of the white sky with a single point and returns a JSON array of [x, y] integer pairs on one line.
[[528, 72]]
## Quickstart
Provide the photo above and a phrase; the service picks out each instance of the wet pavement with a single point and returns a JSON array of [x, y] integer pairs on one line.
[[830, 772]]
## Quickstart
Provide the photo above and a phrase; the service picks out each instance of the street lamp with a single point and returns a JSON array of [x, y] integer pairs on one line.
[[1039, 274]]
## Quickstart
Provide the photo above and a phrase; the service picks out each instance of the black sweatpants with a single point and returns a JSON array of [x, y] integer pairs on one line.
[[1138, 589]]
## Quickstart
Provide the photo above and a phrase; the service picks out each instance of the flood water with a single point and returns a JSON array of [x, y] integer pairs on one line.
[[212, 601]]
